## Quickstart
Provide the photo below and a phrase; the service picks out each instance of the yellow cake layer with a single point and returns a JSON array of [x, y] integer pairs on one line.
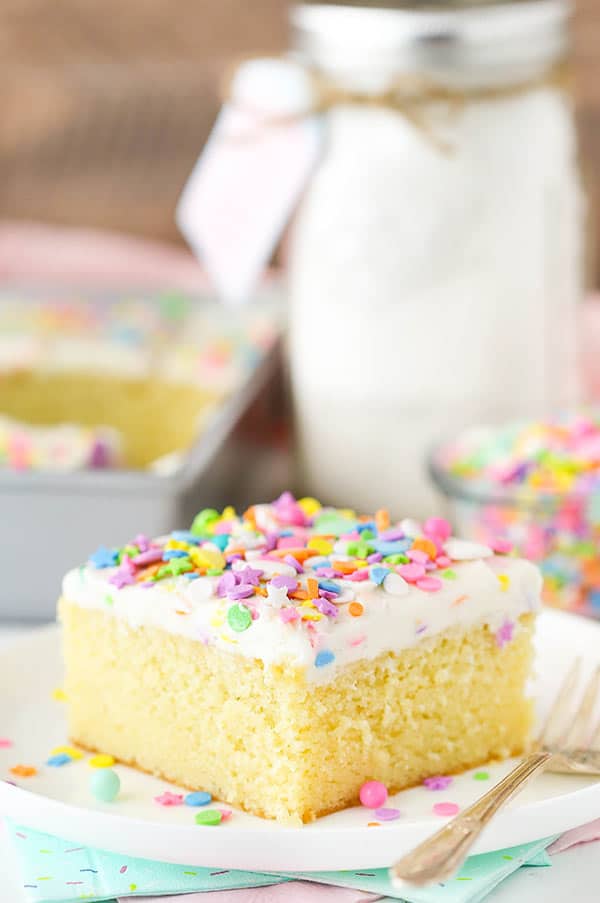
[[132, 406], [266, 740]]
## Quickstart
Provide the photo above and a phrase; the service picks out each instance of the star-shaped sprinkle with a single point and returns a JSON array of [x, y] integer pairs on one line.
[[249, 575], [277, 596], [175, 567], [104, 558], [326, 607], [142, 542], [122, 578], [437, 782], [169, 799]]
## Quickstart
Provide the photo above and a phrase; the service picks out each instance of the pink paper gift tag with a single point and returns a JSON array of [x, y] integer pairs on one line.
[[250, 175]]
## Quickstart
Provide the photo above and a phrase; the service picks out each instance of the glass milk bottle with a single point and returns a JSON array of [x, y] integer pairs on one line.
[[436, 260]]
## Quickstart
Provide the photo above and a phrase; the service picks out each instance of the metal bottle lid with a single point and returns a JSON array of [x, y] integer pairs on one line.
[[456, 41]]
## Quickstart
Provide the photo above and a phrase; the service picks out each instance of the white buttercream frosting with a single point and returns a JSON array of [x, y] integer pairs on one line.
[[360, 620]]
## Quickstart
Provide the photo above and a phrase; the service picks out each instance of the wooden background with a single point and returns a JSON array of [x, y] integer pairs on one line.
[[104, 106]]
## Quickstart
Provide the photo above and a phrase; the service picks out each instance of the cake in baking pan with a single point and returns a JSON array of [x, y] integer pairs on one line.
[[150, 371]]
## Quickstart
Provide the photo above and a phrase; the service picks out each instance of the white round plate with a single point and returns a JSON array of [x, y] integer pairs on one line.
[[58, 801]]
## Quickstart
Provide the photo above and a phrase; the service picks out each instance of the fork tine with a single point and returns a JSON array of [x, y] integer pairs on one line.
[[555, 720], [578, 735]]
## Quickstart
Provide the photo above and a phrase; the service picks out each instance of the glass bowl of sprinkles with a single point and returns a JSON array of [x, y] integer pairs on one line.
[[536, 486]]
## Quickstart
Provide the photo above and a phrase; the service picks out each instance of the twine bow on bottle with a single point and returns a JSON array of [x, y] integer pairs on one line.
[[416, 97]]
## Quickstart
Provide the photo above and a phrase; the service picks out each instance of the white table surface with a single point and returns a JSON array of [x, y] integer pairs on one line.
[[573, 878]]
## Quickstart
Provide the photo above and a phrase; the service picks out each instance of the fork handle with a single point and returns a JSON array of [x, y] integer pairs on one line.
[[442, 854]]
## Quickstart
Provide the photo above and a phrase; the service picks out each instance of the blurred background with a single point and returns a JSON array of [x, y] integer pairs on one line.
[[391, 297], [105, 108]]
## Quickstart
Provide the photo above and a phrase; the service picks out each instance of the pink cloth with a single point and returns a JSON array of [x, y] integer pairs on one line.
[[584, 834], [34, 252], [293, 892]]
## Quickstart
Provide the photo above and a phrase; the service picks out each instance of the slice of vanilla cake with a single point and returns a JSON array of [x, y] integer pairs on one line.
[[281, 658]]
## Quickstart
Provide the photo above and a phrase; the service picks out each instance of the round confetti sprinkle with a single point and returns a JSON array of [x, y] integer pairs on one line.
[[105, 785], [198, 798], [438, 528], [429, 584], [5, 743], [445, 808], [356, 609], [209, 817], [411, 572], [481, 776], [387, 814], [23, 771], [101, 761], [395, 583], [325, 657], [239, 617], [373, 794]]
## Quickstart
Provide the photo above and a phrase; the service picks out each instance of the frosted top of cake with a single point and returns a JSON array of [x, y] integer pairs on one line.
[[175, 337], [293, 582]]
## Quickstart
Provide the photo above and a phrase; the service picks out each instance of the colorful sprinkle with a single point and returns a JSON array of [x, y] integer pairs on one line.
[[395, 585], [101, 761], [378, 574], [373, 794], [505, 633], [445, 809], [288, 563], [105, 785], [239, 617], [198, 798], [437, 782], [209, 817], [481, 776], [412, 572], [104, 558], [169, 799], [325, 657], [384, 814], [5, 743], [58, 760], [70, 751], [23, 771], [429, 584]]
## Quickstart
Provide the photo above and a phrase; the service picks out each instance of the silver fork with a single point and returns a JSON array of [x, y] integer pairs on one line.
[[568, 743]]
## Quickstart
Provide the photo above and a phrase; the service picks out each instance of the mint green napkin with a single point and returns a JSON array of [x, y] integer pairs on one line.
[[477, 878], [60, 871]]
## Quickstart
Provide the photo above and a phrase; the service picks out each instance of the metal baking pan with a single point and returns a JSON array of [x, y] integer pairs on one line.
[[51, 522]]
